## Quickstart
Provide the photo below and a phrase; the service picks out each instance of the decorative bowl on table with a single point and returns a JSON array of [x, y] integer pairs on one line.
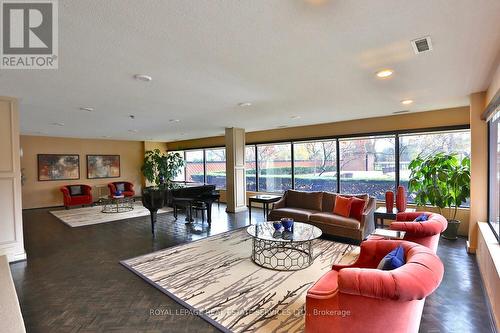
[[277, 225], [118, 193], [287, 223]]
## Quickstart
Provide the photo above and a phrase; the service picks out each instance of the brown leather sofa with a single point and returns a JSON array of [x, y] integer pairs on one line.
[[316, 208]]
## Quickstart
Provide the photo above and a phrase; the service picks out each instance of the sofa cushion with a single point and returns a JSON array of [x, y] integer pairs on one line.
[[330, 218], [357, 208], [328, 201], [307, 200], [75, 190], [342, 206], [298, 214]]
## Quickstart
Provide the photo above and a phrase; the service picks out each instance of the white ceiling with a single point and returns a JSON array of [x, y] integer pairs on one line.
[[287, 57]]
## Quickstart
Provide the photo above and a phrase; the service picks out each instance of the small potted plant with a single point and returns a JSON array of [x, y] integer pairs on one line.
[[441, 180]]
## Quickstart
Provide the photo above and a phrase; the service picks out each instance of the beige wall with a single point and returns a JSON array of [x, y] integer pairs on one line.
[[46, 193], [11, 223], [494, 86], [438, 118], [479, 167]]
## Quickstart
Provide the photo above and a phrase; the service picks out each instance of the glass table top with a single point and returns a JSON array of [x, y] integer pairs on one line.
[[301, 232]]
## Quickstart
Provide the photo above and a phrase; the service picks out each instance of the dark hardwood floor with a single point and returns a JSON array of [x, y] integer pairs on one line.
[[73, 282]]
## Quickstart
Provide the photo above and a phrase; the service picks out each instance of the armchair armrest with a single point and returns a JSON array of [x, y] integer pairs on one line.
[[424, 229], [281, 203], [65, 191], [130, 186], [112, 188], [326, 287], [87, 190], [409, 216]]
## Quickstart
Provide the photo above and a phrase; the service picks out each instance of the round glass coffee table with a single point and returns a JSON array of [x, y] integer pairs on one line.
[[283, 250], [117, 204]]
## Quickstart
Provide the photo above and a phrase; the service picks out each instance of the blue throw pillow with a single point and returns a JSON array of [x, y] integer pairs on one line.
[[393, 260], [421, 218]]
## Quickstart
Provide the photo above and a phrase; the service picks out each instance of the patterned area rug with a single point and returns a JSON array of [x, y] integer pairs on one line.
[[216, 279], [79, 217]]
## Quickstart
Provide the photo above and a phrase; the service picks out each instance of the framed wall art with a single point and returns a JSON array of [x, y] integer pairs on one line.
[[58, 167], [103, 166]]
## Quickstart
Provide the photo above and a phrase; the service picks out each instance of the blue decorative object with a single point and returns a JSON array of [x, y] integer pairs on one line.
[[118, 193], [421, 218], [393, 260], [287, 223], [277, 225]]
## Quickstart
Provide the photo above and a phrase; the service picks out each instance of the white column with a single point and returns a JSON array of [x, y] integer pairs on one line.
[[235, 170], [11, 223]]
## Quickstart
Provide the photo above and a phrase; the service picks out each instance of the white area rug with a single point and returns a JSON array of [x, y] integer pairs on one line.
[[79, 217], [215, 278]]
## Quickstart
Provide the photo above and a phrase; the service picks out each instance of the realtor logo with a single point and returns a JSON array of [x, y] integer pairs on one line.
[[29, 34]]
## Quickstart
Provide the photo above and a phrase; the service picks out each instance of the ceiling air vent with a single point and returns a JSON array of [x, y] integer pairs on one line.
[[421, 45]]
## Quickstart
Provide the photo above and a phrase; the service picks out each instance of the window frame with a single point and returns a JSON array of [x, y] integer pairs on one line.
[[395, 133], [495, 117]]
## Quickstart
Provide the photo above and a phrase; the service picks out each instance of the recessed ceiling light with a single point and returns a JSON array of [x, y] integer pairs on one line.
[[143, 77], [295, 117], [402, 111], [58, 124], [174, 120], [385, 73], [244, 104], [87, 108], [406, 101], [133, 130], [131, 116]]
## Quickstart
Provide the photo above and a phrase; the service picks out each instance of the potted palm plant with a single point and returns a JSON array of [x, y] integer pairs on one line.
[[159, 169], [441, 180]]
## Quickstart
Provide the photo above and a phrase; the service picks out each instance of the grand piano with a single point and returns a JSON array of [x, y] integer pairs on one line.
[[189, 195]]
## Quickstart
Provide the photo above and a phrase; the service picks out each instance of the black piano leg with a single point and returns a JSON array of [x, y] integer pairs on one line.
[[189, 214], [153, 222], [209, 214]]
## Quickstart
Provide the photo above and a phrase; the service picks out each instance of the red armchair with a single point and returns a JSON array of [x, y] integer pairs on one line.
[[84, 197], [361, 298], [425, 233], [128, 192]]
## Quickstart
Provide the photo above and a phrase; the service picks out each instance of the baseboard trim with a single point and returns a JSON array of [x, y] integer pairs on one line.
[[470, 250]]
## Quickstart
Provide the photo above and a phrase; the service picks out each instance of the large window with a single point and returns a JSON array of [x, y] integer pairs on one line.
[[494, 174], [371, 164], [315, 165], [194, 166], [425, 144], [367, 165], [215, 167], [250, 168], [181, 176], [274, 167]]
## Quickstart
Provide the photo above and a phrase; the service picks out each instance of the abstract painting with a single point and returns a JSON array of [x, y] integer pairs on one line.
[[103, 166], [58, 167]]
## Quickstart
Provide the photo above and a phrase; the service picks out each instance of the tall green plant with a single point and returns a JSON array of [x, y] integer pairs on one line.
[[159, 166], [441, 180]]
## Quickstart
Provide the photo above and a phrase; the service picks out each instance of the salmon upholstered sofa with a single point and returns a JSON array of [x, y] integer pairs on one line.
[[316, 208], [361, 298]]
